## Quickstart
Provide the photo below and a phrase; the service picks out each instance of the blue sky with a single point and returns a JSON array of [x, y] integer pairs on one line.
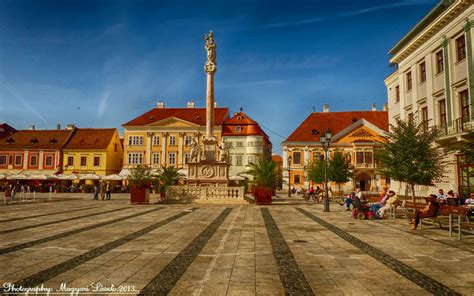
[[102, 63]]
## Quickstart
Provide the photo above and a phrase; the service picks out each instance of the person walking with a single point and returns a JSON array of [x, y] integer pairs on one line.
[[96, 192], [102, 191], [108, 190]]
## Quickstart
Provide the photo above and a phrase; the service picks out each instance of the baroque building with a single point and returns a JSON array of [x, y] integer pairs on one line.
[[163, 136], [433, 83], [355, 133], [247, 142]]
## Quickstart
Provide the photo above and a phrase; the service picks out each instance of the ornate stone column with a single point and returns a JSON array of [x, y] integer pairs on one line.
[[181, 149], [148, 159], [210, 68], [447, 87], [470, 62]]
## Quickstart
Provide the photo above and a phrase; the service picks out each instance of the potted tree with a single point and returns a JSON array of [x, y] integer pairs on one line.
[[167, 177], [266, 175], [140, 180]]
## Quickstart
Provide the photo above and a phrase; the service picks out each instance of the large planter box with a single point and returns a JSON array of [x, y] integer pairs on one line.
[[139, 196], [263, 196]]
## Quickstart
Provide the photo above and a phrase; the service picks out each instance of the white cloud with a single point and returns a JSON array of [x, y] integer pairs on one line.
[[403, 3], [103, 102]]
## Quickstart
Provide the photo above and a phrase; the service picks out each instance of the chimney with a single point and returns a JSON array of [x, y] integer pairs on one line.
[[374, 107], [70, 126], [190, 104], [58, 126], [385, 107], [215, 104], [160, 105], [326, 108], [31, 128]]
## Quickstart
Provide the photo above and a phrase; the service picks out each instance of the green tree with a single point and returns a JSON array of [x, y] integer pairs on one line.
[[168, 176], [140, 176], [315, 171], [410, 155], [468, 149], [266, 173], [340, 169]]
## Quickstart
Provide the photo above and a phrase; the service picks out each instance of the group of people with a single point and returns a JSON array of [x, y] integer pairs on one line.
[[104, 189], [389, 200]]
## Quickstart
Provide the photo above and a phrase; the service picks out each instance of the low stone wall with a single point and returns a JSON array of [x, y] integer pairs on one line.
[[205, 194]]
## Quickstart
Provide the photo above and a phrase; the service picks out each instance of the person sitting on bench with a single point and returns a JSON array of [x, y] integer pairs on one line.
[[391, 202], [427, 212]]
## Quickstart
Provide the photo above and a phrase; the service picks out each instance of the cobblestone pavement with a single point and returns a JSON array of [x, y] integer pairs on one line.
[[291, 247]]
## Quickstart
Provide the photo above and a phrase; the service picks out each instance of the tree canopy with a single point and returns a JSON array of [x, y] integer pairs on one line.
[[266, 173], [410, 155]]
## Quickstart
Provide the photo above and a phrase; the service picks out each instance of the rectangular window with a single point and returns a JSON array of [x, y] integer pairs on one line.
[[296, 179], [70, 160], [172, 158], [359, 157], [48, 161], [465, 113], [135, 158], [250, 159], [96, 160], [397, 93], [3, 160], [33, 160], [172, 141], [368, 157], [238, 160], [187, 157], [156, 141], [240, 144], [409, 81], [316, 156], [442, 112], [460, 48], [297, 157], [188, 140], [410, 117], [156, 158], [424, 118], [135, 140], [83, 160], [439, 62], [238, 129], [18, 160], [422, 72]]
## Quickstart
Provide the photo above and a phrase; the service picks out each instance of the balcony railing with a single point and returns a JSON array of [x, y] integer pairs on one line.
[[460, 125], [364, 165]]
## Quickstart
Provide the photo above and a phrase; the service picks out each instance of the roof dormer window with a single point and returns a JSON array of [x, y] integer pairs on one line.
[[239, 117], [34, 141], [238, 129]]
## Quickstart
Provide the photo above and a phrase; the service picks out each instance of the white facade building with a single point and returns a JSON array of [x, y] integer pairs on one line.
[[434, 81]]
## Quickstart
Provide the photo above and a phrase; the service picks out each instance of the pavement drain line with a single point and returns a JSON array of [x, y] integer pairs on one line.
[[48, 214], [49, 273], [29, 244], [292, 278], [218, 253], [60, 221], [164, 282], [429, 284]]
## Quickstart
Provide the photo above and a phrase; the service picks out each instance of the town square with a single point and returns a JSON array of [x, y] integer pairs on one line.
[[240, 148]]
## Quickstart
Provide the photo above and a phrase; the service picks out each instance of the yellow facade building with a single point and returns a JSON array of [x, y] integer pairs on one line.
[[93, 151], [355, 133], [162, 136]]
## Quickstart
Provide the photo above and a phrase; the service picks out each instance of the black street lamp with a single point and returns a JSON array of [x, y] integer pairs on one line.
[[326, 141], [289, 177]]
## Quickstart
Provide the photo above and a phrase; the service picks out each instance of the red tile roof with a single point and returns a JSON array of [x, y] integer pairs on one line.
[[277, 159], [318, 122], [193, 115], [91, 138], [36, 139], [249, 127], [6, 130]]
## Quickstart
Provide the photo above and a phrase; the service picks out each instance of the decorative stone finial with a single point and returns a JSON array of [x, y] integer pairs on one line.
[[210, 46]]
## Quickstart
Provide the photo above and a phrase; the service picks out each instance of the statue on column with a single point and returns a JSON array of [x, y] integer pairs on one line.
[[195, 150], [210, 66], [223, 151]]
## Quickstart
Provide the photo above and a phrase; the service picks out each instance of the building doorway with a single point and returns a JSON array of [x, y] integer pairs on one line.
[[363, 181]]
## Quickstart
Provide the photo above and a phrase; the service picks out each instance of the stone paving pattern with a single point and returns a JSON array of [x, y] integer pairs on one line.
[[227, 250]]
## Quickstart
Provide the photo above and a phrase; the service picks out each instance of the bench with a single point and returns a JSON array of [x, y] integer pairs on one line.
[[409, 206], [460, 212]]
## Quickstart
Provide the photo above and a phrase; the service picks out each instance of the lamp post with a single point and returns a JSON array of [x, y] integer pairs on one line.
[[326, 141], [289, 177]]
